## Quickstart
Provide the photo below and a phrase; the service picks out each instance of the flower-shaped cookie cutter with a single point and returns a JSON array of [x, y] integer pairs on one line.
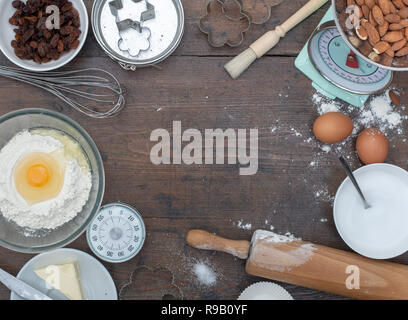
[[143, 34], [259, 10], [210, 29]]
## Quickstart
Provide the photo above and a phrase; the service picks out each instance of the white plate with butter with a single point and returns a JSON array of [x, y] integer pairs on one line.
[[94, 280]]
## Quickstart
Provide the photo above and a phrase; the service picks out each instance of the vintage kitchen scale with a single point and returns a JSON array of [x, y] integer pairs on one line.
[[117, 233], [335, 71]]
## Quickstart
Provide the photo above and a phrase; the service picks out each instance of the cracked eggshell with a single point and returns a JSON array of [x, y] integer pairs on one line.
[[332, 127]]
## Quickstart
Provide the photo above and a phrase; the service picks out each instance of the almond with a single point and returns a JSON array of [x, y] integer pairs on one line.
[[402, 52], [403, 13], [366, 11], [399, 45], [378, 14], [395, 98], [406, 2], [355, 41], [372, 33], [385, 6], [362, 33], [392, 18], [399, 4], [370, 3], [374, 57], [396, 26], [372, 20], [406, 33], [393, 36], [382, 30], [404, 22], [386, 60], [393, 9], [390, 53], [381, 47], [360, 2], [366, 48]]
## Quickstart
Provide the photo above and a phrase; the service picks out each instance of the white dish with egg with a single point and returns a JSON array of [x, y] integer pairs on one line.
[[96, 282], [380, 232]]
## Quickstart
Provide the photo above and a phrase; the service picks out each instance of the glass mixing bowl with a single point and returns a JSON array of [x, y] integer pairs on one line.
[[26, 240]]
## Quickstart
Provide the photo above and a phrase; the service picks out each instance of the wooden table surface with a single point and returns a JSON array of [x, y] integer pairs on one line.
[[193, 87]]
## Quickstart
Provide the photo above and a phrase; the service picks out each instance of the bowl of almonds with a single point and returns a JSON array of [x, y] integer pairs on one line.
[[42, 35], [377, 30]]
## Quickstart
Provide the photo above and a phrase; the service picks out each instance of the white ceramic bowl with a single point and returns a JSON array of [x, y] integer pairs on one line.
[[97, 283], [7, 35], [380, 232]]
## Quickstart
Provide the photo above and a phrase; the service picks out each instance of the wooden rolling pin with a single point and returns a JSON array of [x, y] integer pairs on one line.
[[310, 265], [270, 39]]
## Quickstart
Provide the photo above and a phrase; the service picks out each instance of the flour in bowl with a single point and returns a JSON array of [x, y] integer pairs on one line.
[[45, 179]]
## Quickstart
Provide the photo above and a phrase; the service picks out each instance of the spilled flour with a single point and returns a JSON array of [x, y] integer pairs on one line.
[[265, 255], [204, 274], [378, 112]]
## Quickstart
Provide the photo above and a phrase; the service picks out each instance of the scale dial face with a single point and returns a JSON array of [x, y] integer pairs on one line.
[[117, 233], [328, 53]]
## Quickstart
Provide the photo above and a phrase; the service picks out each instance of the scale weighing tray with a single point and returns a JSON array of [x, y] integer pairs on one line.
[[372, 78]]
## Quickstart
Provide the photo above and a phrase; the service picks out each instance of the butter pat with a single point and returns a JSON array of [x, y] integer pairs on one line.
[[63, 277]]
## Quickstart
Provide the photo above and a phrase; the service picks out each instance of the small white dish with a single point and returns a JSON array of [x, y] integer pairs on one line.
[[96, 281], [265, 291], [380, 232], [7, 35]]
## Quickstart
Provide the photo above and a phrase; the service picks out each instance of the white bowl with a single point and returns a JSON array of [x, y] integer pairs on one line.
[[97, 283], [7, 35], [380, 232]]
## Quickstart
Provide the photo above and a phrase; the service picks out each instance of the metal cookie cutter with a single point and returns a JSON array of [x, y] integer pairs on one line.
[[259, 10], [123, 25], [210, 29]]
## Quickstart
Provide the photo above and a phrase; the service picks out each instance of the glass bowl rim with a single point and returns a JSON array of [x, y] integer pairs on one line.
[[101, 187]]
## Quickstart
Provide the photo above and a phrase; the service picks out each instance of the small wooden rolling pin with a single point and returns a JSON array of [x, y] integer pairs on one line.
[[310, 265], [270, 39]]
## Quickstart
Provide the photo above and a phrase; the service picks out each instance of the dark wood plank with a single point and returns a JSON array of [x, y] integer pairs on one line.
[[192, 87]]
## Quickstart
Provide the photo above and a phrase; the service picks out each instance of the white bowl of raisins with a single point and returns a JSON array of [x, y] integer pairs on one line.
[[42, 35]]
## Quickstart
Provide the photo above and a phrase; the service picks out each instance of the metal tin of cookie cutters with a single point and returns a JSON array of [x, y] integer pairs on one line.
[[126, 24], [166, 28], [243, 15]]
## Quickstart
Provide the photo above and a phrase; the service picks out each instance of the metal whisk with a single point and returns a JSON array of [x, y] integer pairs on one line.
[[79, 84]]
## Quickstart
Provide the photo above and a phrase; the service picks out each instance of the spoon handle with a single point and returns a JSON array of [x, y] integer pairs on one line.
[[353, 180]]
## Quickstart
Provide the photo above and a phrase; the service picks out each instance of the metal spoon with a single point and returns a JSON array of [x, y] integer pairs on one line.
[[354, 181]]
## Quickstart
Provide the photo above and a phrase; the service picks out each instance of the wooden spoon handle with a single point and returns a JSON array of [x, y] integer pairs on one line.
[[204, 240]]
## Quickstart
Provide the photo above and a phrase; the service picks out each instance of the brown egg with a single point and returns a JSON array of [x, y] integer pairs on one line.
[[332, 127], [372, 146]]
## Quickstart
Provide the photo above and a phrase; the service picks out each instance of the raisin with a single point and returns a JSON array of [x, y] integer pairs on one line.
[[28, 34], [34, 44], [33, 41]]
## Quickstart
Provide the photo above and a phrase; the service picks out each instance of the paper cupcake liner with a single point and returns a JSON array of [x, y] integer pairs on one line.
[[265, 291]]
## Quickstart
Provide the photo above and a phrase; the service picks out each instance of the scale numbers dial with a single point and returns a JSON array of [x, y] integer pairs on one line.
[[117, 233], [328, 53]]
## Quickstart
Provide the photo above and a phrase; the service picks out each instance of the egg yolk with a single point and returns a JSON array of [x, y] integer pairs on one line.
[[39, 176]]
